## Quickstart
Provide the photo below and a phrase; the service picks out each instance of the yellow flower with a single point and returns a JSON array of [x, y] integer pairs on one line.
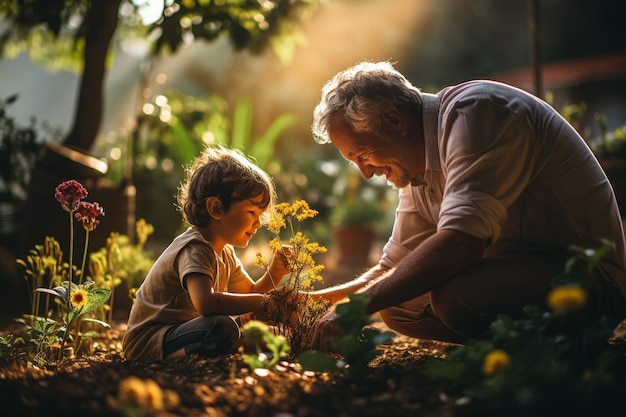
[[132, 390], [299, 240], [301, 211], [567, 298], [143, 230], [79, 298], [275, 244], [282, 209], [496, 361], [261, 261], [315, 247], [154, 395], [144, 394]]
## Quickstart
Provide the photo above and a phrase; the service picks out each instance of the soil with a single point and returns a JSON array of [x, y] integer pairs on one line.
[[90, 385]]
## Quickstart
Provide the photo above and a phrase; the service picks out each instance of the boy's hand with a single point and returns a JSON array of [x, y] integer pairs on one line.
[[281, 265]]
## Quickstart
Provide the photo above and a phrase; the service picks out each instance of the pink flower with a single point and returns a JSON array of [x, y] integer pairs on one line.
[[86, 213], [69, 193]]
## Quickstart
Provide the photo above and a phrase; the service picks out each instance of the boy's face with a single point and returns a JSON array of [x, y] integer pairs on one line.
[[240, 222]]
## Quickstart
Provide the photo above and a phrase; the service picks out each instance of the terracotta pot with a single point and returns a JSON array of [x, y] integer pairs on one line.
[[354, 244]]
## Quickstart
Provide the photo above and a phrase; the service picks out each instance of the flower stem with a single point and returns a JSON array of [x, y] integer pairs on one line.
[[69, 286], [71, 256], [82, 268]]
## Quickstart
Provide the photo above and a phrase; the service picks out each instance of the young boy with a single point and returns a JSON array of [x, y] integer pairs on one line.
[[185, 304]]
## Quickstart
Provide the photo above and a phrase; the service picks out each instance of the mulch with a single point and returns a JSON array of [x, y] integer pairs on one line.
[[225, 387], [92, 385]]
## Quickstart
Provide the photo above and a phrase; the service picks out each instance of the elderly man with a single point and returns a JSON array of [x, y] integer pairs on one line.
[[494, 185]]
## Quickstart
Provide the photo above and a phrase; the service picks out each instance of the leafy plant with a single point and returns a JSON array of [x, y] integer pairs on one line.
[[43, 334], [78, 301], [8, 348], [179, 126], [611, 144], [548, 362], [121, 260], [269, 347], [357, 345], [45, 263]]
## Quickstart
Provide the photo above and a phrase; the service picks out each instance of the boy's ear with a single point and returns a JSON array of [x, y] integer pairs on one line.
[[214, 207]]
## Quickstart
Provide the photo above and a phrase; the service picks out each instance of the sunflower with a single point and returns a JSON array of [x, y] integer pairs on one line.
[[79, 298]]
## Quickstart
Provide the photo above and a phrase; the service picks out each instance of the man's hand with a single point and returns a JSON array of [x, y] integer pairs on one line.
[[325, 331]]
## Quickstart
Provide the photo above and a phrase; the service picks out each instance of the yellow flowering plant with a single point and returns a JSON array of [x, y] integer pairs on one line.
[[290, 306], [122, 260], [553, 356]]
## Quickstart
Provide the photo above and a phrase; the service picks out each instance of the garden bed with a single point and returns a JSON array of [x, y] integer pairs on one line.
[[104, 384], [223, 387]]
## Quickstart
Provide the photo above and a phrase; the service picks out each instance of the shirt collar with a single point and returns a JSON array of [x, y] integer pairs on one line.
[[430, 117]]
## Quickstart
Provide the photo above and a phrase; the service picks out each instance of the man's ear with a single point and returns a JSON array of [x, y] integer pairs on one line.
[[394, 119], [214, 207]]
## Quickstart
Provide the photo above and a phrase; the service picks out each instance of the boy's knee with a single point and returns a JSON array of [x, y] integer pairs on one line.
[[221, 338], [225, 331]]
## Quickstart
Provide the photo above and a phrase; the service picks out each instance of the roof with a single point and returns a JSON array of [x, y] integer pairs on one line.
[[569, 73]]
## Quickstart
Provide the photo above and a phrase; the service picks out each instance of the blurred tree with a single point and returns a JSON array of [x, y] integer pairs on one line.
[[84, 30]]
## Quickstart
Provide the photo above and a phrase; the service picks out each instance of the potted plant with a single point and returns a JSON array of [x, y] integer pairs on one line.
[[359, 214]]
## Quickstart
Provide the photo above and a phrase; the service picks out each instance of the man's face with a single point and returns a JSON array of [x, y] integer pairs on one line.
[[372, 154]]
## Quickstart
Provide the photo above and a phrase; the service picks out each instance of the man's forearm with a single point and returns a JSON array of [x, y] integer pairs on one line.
[[340, 291], [438, 258]]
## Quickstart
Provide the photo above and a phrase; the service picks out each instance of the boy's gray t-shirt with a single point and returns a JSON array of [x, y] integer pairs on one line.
[[163, 300]]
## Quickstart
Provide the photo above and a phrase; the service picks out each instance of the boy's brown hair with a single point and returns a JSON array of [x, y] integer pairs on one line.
[[224, 173]]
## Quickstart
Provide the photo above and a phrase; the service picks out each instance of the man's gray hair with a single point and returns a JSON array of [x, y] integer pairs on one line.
[[362, 92]]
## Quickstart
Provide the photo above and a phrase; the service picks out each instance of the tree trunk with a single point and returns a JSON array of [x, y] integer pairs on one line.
[[101, 22]]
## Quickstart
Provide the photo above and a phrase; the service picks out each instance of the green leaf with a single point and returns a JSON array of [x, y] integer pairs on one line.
[[317, 362], [100, 322], [57, 292], [187, 149], [351, 315], [380, 338], [278, 346], [263, 147], [242, 124], [254, 362], [89, 334], [97, 297]]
